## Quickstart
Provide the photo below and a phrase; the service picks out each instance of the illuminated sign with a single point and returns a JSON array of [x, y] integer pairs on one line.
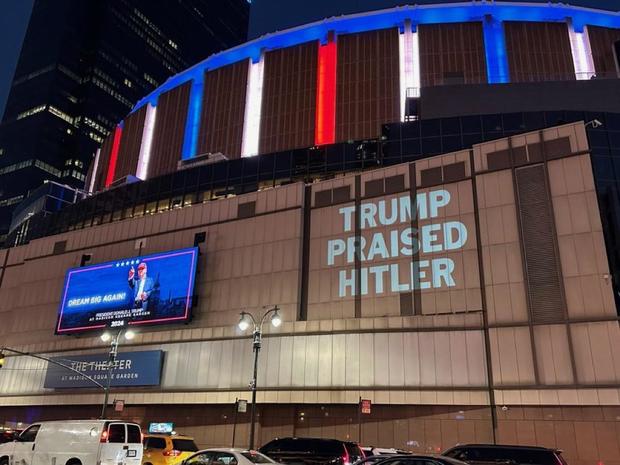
[[129, 369], [430, 238], [151, 289], [161, 428]]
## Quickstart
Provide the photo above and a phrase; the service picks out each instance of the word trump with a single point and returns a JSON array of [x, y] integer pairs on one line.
[[407, 241]]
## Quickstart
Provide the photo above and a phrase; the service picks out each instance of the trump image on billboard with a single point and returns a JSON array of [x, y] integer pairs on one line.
[[150, 289]]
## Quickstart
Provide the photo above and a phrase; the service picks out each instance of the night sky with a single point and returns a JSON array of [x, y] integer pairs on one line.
[[272, 15], [265, 15], [14, 16]]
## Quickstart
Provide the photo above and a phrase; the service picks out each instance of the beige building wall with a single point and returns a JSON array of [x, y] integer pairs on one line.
[[496, 331]]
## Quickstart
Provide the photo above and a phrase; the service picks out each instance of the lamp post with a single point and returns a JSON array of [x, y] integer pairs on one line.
[[48, 360], [246, 320], [106, 337]]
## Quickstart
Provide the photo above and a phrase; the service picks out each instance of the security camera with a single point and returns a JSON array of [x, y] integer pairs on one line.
[[595, 123], [504, 408]]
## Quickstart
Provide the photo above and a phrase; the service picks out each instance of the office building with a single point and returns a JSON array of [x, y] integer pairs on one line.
[[83, 66]]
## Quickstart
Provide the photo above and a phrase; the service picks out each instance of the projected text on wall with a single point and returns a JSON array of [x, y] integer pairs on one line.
[[401, 240]]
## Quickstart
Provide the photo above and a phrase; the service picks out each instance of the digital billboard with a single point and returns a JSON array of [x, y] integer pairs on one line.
[[150, 289]]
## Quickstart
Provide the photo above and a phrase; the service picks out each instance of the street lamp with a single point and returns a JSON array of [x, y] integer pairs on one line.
[[245, 321], [107, 337]]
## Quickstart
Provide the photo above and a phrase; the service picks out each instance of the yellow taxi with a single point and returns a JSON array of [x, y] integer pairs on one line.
[[167, 449]]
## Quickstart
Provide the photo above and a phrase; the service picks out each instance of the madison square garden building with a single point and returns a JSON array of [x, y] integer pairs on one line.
[[430, 196]]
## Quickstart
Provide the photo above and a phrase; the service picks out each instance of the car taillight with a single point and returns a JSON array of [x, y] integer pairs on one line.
[[172, 453], [345, 457], [104, 436]]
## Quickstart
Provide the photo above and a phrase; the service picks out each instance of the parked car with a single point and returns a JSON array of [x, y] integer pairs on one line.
[[312, 451], [8, 435], [489, 454], [374, 459], [379, 451], [227, 457], [410, 459], [76, 442], [166, 449]]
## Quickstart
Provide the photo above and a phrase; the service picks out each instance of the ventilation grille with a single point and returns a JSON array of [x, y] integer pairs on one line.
[[541, 260]]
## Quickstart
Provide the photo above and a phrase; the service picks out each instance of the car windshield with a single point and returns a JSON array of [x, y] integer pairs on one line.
[[372, 459], [256, 457], [304, 446], [503, 455], [155, 443], [184, 445]]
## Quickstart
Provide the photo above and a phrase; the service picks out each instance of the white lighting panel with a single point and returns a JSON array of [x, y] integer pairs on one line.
[[253, 102], [147, 141]]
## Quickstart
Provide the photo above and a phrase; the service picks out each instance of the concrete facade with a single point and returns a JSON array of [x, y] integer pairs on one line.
[[476, 301]]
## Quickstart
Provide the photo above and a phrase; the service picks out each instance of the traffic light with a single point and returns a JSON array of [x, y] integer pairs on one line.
[[1, 359]]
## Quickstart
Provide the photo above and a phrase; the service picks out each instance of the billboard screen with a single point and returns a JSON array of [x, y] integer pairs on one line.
[[151, 289]]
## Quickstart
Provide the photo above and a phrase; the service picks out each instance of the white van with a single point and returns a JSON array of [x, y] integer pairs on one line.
[[75, 442]]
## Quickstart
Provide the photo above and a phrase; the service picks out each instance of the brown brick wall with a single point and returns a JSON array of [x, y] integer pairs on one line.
[[452, 53], [289, 98], [538, 52], [223, 105], [169, 130], [367, 84], [129, 150], [601, 42]]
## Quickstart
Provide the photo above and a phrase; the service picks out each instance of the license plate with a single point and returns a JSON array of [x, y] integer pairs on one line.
[[131, 453]]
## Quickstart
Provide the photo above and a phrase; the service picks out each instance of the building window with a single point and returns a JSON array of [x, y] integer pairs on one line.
[[31, 111], [150, 80], [47, 168], [16, 166], [11, 201], [127, 82], [95, 137], [60, 114]]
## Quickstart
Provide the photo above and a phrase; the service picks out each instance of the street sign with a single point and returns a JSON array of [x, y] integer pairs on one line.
[[365, 406], [242, 406], [119, 405]]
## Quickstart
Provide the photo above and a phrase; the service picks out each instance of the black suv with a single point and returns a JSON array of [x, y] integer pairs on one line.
[[488, 454], [312, 451]]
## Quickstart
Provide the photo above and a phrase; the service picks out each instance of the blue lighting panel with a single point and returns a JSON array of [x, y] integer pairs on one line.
[[495, 51], [192, 124]]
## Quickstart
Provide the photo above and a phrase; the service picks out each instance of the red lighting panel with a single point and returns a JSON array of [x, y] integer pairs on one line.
[[325, 127], [113, 156]]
